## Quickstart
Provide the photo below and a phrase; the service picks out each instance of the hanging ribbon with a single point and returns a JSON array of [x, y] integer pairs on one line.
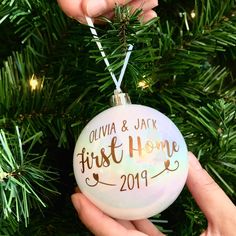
[[130, 48]]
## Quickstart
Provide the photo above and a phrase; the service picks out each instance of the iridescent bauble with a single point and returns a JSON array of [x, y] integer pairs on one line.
[[131, 161]]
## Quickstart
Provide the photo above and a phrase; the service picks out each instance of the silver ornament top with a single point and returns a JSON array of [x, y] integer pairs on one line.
[[120, 98]]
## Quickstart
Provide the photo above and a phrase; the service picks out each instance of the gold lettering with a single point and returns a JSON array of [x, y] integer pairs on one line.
[[102, 131], [84, 160], [114, 153], [175, 147], [113, 147], [104, 159], [131, 146], [154, 124]]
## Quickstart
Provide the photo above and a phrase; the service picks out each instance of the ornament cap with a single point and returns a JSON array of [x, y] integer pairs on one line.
[[120, 98]]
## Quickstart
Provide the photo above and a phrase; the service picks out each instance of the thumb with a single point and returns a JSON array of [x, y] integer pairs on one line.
[[211, 199]]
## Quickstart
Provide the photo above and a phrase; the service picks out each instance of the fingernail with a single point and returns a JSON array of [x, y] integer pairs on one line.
[[193, 161], [81, 20], [96, 7]]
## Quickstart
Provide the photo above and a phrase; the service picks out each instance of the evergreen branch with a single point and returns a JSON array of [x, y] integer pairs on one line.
[[36, 98], [124, 30], [197, 51], [8, 227], [214, 138], [209, 12], [186, 72], [20, 175], [220, 178], [35, 106], [37, 26]]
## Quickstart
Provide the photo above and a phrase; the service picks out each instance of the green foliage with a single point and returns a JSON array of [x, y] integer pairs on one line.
[[124, 30], [21, 175], [183, 64]]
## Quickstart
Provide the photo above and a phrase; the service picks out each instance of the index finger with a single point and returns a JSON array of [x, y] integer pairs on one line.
[[212, 200]]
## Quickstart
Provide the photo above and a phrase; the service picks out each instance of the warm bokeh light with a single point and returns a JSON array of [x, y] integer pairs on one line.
[[193, 14], [143, 84], [34, 83]]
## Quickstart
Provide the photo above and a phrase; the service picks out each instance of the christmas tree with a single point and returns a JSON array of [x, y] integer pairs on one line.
[[53, 81]]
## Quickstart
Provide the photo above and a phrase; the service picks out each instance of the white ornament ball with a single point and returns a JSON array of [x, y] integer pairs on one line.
[[131, 162]]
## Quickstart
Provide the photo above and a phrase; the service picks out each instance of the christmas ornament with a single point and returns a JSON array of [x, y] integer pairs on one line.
[[130, 160]]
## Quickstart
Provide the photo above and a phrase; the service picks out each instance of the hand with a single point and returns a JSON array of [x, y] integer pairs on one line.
[[102, 225], [93, 8], [214, 203]]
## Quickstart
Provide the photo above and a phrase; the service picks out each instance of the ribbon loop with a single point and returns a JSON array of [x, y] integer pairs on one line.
[[95, 35]]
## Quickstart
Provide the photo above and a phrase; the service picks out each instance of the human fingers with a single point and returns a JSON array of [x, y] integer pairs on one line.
[[127, 224], [148, 15], [98, 8], [77, 9], [145, 17], [147, 227], [144, 5], [97, 222], [94, 8], [212, 200], [72, 8]]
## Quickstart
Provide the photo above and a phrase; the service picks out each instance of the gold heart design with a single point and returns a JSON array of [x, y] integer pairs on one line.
[[167, 164], [96, 177]]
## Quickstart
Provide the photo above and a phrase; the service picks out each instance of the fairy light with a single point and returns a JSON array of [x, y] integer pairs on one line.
[[34, 82], [143, 84], [193, 14]]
